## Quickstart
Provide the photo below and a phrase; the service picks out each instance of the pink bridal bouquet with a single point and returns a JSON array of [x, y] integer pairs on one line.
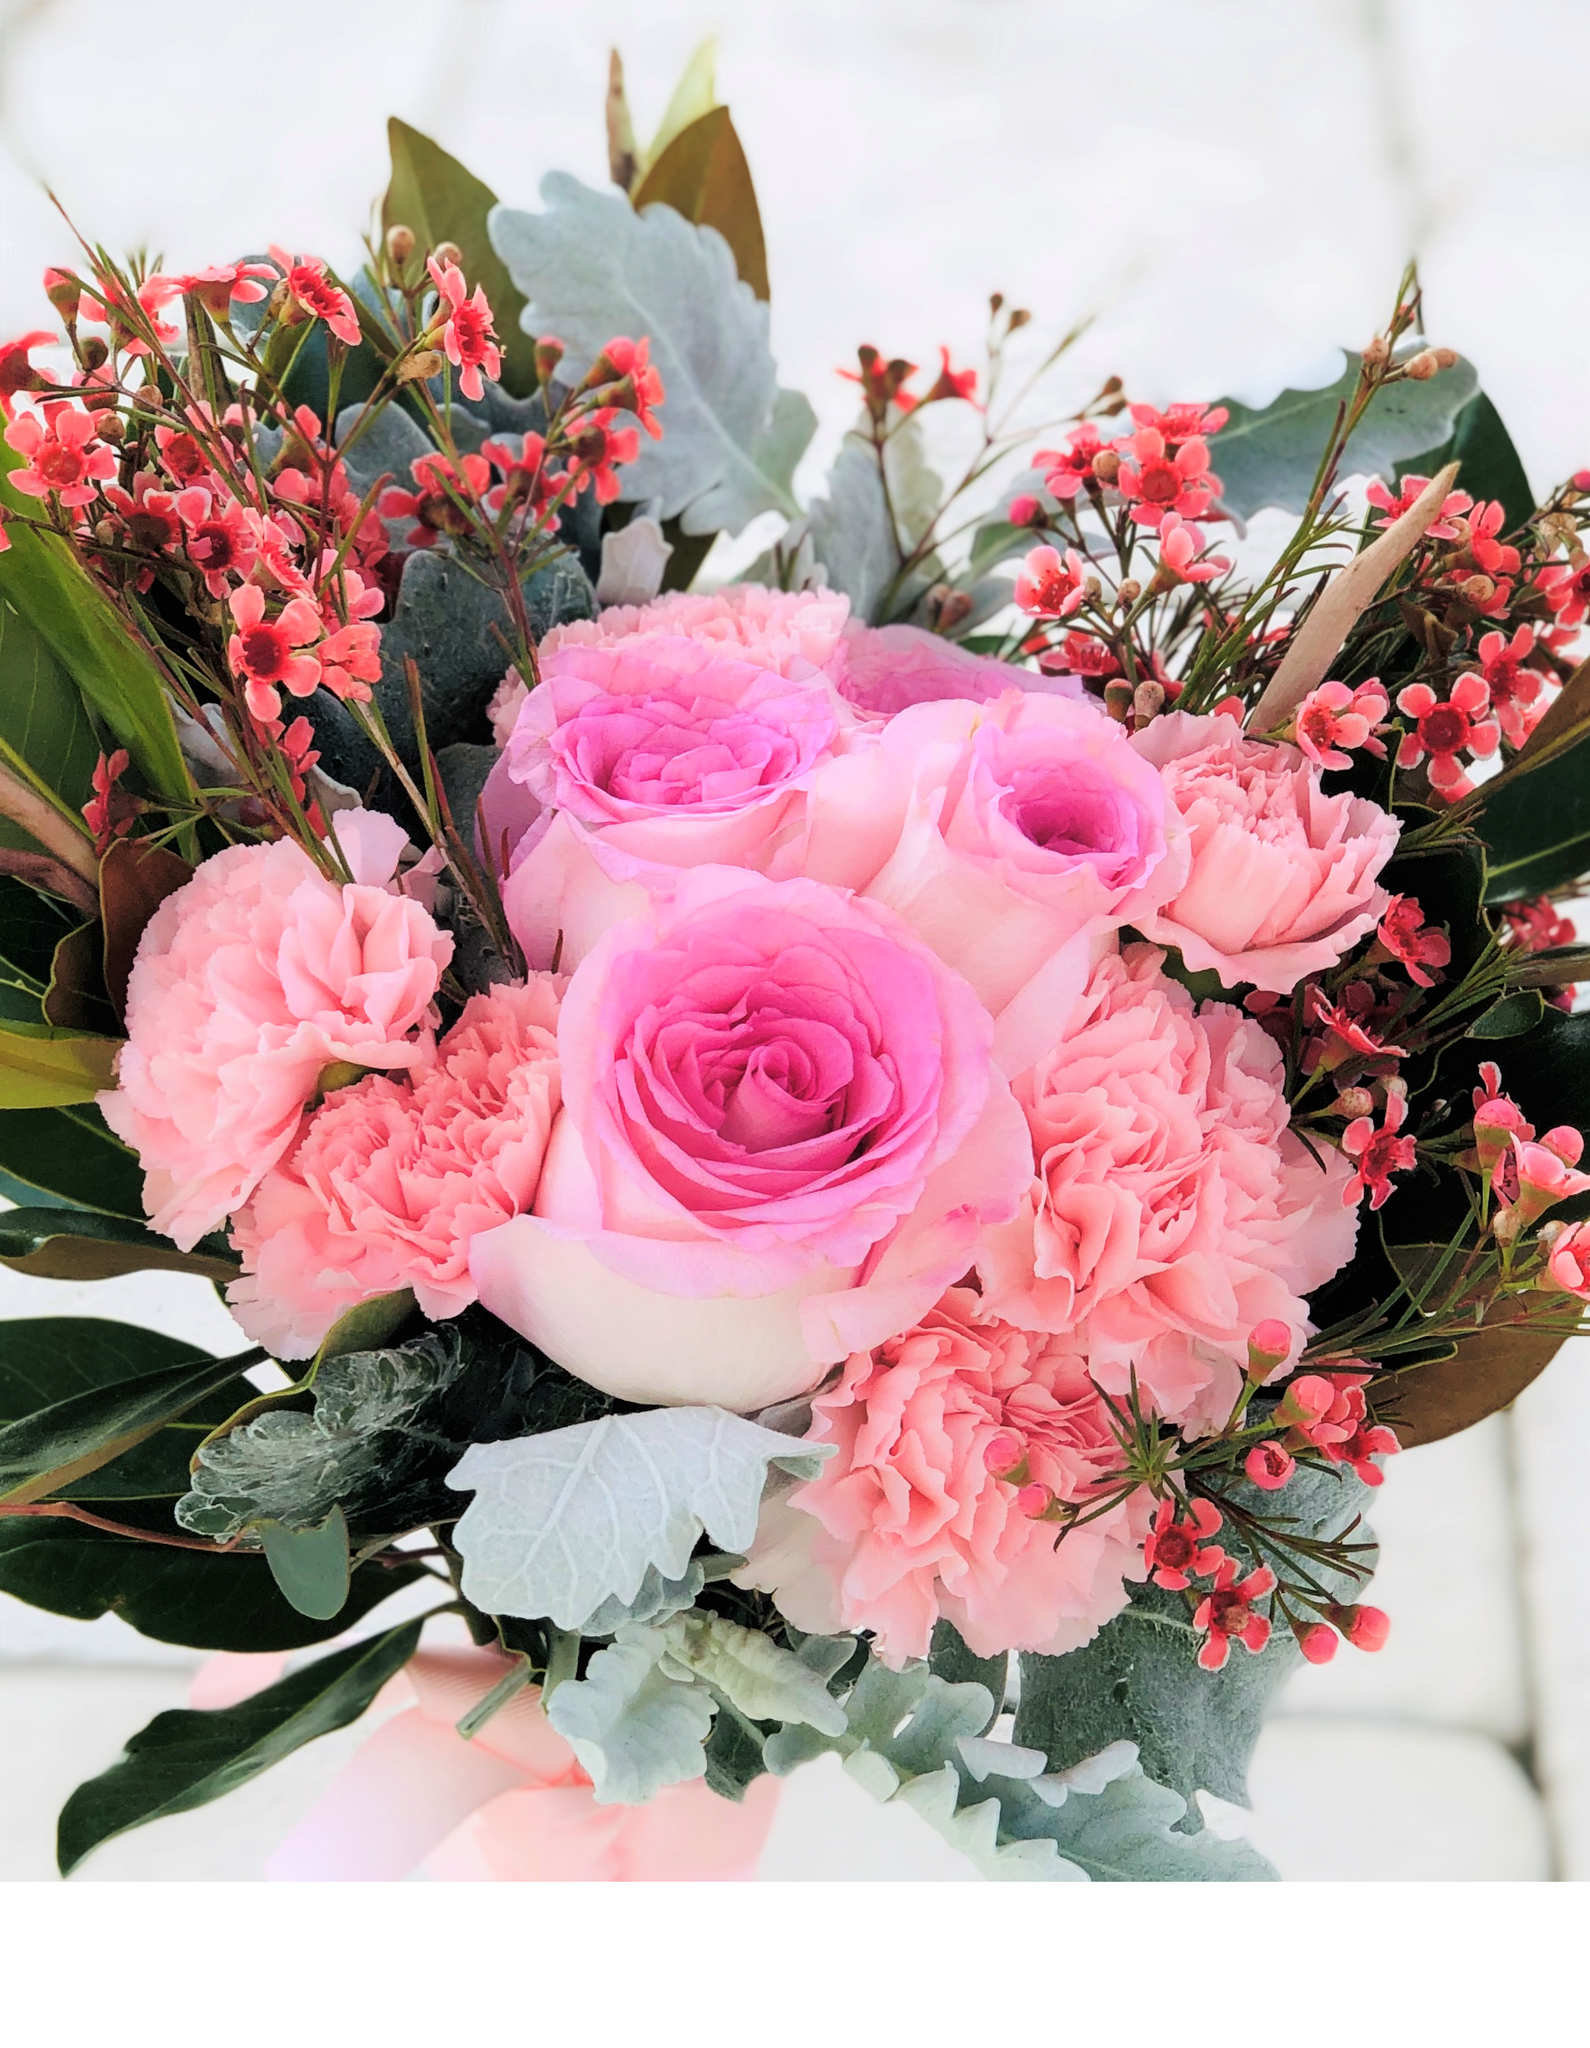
[[800, 1159]]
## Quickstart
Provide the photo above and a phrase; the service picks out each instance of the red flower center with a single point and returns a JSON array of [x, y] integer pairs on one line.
[[184, 458], [1445, 730], [60, 466], [1174, 1548], [1229, 1614], [151, 529], [469, 331], [265, 652], [212, 545], [1159, 483]]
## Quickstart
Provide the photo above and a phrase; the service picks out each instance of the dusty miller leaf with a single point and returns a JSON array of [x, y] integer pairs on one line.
[[852, 534], [766, 1682], [591, 268], [569, 1519], [657, 1599], [633, 1728]]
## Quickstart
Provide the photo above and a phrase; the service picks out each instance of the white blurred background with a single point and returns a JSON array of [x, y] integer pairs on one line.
[[1232, 187]]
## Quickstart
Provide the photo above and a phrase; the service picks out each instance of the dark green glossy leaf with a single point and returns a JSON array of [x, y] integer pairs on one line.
[[1537, 827], [185, 1759], [52, 1446], [43, 725], [1510, 1016], [734, 1755], [703, 174], [31, 928], [68, 1155], [432, 193], [76, 1244], [1270, 456], [1489, 465], [115, 674], [310, 1566]]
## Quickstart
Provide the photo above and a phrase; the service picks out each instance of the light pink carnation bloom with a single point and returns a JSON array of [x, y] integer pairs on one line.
[[782, 1132], [250, 980], [787, 631], [1283, 879], [661, 753], [1001, 833], [1174, 1210], [392, 1179], [908, 1526]]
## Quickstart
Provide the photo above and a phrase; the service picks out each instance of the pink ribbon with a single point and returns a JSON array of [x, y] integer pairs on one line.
[[511, 1804]]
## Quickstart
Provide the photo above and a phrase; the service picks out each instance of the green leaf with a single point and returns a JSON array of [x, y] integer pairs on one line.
[[310, 1566], [591, 267], [69, 1155], [432, 193], [74, 1244], [852, 533], [41, 1068], [563, 1521], [1270, 457], [31, 928], [1139, 1679], [703, 175], [116, 675], [185, 1759], [202, 1600], [48, 1449], [1536, 825], [949, 1659], [734, 1757], [44, 729], [1489, 465], [1510, 1016]]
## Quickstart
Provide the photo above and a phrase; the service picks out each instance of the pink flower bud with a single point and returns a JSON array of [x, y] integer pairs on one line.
[[1317, 1642], [1002, 1453], [1355, 1102], [1366, 1628], [1269, 1345], [1034, 1500], [1269, 1465], [1025, 511], [1305, 1401], [1566, 1142]]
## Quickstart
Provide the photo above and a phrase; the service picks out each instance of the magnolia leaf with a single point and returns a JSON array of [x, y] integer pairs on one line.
[[1489, 465], [75, 1244], [853, 535], [633, 1728], [592, 268], [1552, 967], [185, 1759], [46, 736], [310, 1566], [693, 97], [765, 1682], [432, 193], [1536, 821], [32, 927], [1510, 1016], [69, 1155], [563, 1521], [1489, 1370], [41, 1068], [703, 175], [1271, 456], [1139, 1679], [203, 1600], [46, 1450], [119, 681], [135, 878]]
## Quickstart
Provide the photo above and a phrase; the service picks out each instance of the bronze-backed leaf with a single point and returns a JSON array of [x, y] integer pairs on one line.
[[1424, 1403], [77, 1244], [135, 878], [703, 174], [76, 999]]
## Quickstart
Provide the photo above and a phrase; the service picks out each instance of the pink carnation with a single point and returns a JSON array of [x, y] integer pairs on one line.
[[1284, 878], [659, 753], [392, 1179], [1174, 1211], [908, 1525], [782, 1131], [777, 629], [248, 982]]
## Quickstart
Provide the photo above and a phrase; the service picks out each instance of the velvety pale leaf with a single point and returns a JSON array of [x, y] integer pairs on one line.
[[633, 1728], [310, 1566], [703, 175], [1139, 1679], [658, 1598], [949, 1659], [201, 1600], [432, 193], [49, 1448], [185, 1759], [1270, 456], [75, 1244], [592, 268], [68, 1155], [116, 676], [41, 1068], [564, 1521], [1424, 1403], [766, 1682], [853, 536]]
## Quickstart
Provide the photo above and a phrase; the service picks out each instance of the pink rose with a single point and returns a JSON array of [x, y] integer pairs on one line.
[[1000, 832], [908, 1525], [1174, 1210], [392, 1179], [251, 979], [1283, 879], [782, 1132], [661, 753], [886, 669]]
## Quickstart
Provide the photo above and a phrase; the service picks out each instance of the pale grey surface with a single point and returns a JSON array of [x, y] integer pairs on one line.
[[1233, 186]]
